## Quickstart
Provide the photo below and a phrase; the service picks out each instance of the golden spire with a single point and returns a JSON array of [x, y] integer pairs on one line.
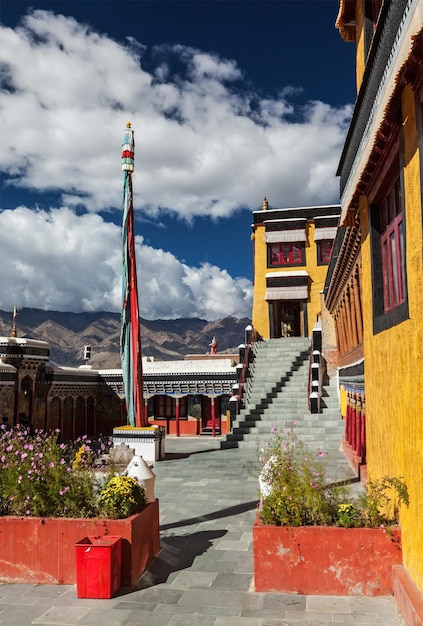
[[264, 204], [14, 329]]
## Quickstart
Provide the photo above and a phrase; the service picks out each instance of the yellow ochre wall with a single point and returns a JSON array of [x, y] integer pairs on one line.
[[394, 363], [260, 316], [317, 276], [360, 53]]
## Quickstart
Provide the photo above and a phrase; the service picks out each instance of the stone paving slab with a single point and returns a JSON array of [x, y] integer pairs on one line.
[[203, 574]]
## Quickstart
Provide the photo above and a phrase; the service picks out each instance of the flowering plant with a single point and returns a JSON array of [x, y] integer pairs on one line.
[[121, 497], [295, 490], [41, 477]]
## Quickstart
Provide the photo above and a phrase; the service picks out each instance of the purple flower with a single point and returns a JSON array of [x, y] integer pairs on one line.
[[51, 464], [274, 429]]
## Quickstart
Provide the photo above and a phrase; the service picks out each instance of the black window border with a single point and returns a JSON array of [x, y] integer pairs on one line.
[[319, 254]]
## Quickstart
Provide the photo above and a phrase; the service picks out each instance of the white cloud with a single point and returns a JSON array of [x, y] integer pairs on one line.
[[204, 143], [57, 260]]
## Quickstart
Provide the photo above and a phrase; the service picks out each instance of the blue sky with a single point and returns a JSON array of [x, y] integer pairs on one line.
[[229, 100]]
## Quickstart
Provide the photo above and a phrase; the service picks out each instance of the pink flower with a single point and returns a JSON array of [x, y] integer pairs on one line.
[[51, 464], [274, 429]]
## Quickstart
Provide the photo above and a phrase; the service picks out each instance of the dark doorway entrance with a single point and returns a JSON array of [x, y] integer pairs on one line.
[[286, 318]]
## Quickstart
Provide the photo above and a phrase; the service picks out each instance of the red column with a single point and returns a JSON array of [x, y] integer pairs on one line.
[[178, 432], [213, 417], [363, 432], [353, 421], [358, 426], [348, 419]]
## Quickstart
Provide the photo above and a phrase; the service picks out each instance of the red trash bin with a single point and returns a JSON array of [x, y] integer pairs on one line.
[[98, 566]]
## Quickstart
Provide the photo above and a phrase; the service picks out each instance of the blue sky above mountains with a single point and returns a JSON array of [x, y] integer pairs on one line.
[[229, 100]]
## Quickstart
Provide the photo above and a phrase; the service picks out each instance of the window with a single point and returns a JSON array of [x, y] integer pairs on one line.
[[388, 245], [372, 10], [286, 253], [392, 240], [324, 250], [166, 407]]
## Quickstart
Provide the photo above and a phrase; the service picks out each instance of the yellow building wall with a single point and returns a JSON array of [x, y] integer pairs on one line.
[[260, 316], [317, 279], [394, 363], [360, 51]]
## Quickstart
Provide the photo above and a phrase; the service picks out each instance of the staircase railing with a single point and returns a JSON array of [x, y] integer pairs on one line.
[[316, 370], [246, 355]]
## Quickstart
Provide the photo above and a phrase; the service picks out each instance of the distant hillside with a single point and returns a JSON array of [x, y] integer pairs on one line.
[[67, 333]]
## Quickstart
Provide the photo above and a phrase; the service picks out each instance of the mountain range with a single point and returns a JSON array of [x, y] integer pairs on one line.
[[68, 333]]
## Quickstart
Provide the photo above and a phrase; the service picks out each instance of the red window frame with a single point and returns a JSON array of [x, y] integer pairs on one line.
[[166, 407], [286, 253], [325, 250], [392, 241]]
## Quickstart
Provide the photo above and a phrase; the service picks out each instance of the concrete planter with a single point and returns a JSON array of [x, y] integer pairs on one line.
[[325, 560], [42, 549]]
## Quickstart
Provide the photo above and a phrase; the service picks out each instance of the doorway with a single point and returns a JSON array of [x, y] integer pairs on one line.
[[287, 318]]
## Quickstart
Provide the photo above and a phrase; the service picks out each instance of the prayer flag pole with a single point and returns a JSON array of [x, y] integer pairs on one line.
[[130, 337]]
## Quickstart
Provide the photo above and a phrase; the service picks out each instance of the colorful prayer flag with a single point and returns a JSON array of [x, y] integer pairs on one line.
[[130, 338]]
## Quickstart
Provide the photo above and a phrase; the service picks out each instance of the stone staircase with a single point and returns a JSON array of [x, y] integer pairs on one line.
[[276, 394]]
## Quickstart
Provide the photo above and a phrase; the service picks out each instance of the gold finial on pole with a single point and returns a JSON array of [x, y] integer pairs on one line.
[[264, 204]]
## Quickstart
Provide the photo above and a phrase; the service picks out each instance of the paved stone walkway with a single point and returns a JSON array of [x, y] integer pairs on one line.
[[203, 573]]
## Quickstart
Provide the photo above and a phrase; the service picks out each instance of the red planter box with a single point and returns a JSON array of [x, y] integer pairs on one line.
[[325, 560], [98, 566], [42, 549]]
